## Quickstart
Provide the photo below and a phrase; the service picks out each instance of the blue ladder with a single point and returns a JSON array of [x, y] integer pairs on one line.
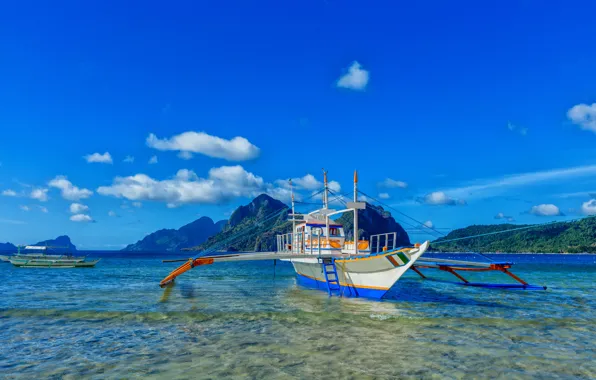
[[330, 272]]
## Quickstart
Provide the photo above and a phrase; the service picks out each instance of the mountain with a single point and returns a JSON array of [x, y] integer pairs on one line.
[[372, 220], [256, 237], [8, 247], [61, 243], [565, 237], [174, 240]]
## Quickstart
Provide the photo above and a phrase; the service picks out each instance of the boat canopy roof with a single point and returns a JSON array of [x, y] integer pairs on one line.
[[36, 247]]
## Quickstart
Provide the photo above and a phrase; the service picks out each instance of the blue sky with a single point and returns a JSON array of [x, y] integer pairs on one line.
[[485, 112]]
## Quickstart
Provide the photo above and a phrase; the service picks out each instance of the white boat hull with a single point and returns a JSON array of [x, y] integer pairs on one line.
[[23, 263], [369, 277]]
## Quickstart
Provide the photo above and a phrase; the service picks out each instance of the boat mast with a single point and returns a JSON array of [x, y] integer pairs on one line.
[[294, 236], [355, 212], [326, 201]]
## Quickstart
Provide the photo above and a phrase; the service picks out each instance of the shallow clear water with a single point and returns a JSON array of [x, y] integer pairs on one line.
[[237, 321]]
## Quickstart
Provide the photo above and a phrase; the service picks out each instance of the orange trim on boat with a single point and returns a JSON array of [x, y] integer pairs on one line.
[[368, 257], [395, 263]]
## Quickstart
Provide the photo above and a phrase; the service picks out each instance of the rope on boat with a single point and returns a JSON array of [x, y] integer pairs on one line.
[[257, 223], [502, 232], [240, 234], [416, 227], [420, 224], [191, 263], [480, 235]]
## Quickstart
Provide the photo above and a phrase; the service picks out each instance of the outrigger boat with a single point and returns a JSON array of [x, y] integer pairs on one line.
[[43, 260], [323, 257], [49, 263], [40, 255]]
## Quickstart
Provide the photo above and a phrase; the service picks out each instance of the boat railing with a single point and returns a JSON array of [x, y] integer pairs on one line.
[[382, 242], [284, 242], [296, 243]]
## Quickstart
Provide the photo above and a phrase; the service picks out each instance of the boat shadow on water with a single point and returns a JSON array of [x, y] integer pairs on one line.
[[413, 290]]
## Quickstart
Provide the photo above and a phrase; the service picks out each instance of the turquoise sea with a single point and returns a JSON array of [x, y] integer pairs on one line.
[[242, 321]]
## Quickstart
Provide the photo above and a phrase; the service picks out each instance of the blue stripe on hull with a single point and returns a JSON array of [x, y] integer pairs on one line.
[[346, 291]]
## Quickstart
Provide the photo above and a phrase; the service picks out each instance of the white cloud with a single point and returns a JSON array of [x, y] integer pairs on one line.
[[9, 193], [112, 213], [355, 79], [583, 115], [495, 186], [514, 128], [384, 196], [545, 210], [153, 160], [428, 224], [282, 194], [137, 204], [39, 194], [83, 218], [129, 159], [501, 215], [334, 186], [185, 155], [440, 198], [68, 190], [392, 184], [236, 149], [221, 184], [43, 209], [589, 207], [308, 182], [105, 158], [24, 208], [78, 208]]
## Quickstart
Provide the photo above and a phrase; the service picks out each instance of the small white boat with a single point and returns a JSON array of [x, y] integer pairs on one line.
[[43, 260], [50, 263], [30, 252]]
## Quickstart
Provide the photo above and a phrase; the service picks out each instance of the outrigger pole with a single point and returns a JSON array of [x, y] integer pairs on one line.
[[240, 256], [453, 266]]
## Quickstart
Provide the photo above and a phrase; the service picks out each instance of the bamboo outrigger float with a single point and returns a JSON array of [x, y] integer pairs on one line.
[[324, 258]]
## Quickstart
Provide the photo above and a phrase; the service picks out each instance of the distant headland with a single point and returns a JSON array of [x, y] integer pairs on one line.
[[61, 243]]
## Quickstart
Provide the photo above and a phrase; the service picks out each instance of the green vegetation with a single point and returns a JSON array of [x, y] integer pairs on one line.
[[259, 233], [565, 237]]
